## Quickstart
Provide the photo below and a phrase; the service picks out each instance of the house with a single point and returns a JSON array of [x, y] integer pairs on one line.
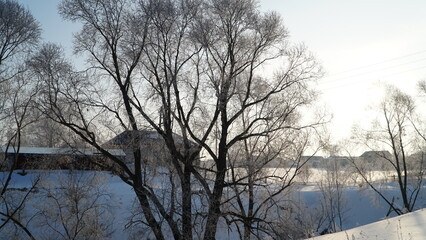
[[376, 160], [276, 162], [372, 156], [54, 158], [313, 161], [340, 161], [154, 151]]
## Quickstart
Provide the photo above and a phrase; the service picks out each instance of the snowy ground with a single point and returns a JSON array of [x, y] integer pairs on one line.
[[405, 227], [362, 206]]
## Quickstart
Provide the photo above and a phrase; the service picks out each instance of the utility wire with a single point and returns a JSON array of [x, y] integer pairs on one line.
[[364, 80], [378, 63], [373, 71]]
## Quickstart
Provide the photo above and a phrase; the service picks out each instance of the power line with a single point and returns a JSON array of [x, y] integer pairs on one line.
[[375, 70], [378, 63], [364, 80]]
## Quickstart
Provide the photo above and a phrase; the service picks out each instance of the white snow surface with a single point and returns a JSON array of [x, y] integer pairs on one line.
[[407, 226], [364, 213]]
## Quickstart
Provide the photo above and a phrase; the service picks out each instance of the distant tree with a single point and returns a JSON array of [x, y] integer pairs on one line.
[[396, 132], [49, 69], [19, 32], [333, 200], [262, 168], [45, 133], [258, 199], [75, 206]]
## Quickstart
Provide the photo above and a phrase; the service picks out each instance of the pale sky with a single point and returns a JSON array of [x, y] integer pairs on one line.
[[361, 44]]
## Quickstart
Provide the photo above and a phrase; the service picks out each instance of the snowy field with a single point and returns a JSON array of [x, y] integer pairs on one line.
[[361, 206]]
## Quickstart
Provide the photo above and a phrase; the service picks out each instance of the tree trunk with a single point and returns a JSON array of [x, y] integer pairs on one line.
[[214, 206], [215, 198], [248, 222], [186, 204], [153, 224]]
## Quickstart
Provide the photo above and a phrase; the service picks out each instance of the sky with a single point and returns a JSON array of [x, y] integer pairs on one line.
[[361, 44]]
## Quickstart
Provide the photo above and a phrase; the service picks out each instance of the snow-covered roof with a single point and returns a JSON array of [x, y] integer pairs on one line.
[[59, 151]]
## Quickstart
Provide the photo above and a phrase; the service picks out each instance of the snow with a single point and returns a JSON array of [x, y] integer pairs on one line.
[[364, 213], [361, 206], [407, 226]]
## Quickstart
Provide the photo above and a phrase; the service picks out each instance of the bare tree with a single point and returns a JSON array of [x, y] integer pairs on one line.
[[261, 181], [75, 206], [263, 167], [333, 201], [397, 133], [49, 70], [18, 115], [114, 38], [193, 68], [237, 42], [19, 31]]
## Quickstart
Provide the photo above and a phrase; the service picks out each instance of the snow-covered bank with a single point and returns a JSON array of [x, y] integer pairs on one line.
[[405, 227]]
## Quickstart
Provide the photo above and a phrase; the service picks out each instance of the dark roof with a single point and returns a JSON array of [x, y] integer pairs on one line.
[[418, 155], [374, 154], [125, 138], [312, 158]]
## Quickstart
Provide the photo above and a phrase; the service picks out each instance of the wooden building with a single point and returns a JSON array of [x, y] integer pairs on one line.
[[54, 158], [154, 151]]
